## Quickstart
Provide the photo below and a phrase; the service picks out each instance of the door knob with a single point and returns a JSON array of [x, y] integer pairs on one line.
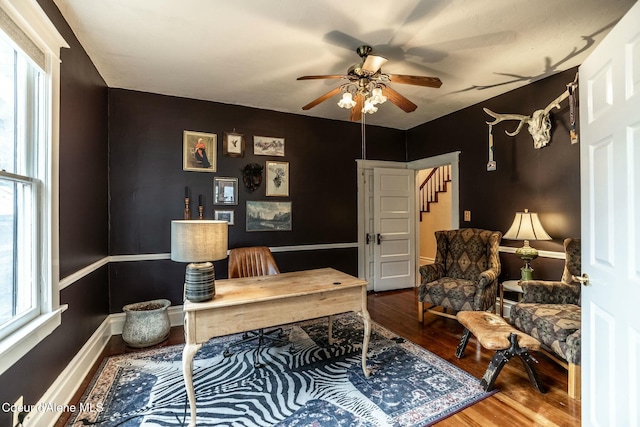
[[584, 279], [379, 238]]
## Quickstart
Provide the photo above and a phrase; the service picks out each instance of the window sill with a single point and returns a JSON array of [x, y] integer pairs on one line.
[[16, 345]]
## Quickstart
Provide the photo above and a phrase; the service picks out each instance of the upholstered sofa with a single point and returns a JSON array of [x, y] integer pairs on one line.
[[550, 311], [464, 275]]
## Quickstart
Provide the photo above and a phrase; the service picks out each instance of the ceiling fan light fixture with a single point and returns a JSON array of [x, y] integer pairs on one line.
[[367, 86], [347, 101], [377, 97], [369, 106]]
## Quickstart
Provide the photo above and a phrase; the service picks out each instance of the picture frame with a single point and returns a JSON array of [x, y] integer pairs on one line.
[[233, 144], [199, 151], [268, 146], [268, 216], [224, 215], [225, 191], [277, 178]]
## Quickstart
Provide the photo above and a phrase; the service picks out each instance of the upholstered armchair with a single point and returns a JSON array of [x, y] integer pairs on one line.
[[464, 275], [550, 311]]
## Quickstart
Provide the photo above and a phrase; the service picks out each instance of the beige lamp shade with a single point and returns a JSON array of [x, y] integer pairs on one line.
[[199, 240], [526, 226]]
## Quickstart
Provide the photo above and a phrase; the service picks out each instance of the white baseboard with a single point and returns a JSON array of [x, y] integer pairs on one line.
[[70, 379], [507, 307], [65, 386]]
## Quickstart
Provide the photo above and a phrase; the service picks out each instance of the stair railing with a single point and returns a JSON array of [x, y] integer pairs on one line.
[[434, 183]]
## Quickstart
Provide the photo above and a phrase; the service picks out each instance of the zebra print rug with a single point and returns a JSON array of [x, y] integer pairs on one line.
[[305, 383]]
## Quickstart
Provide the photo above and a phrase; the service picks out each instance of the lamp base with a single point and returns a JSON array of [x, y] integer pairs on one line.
[[199, 282], [527, 254], [526, 273]]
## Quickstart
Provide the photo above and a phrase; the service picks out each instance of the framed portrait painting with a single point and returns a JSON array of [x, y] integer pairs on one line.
[[199, 151], [233, 144], [277, 178]]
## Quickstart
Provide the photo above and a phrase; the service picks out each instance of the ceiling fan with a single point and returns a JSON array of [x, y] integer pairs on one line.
[[369, 86]]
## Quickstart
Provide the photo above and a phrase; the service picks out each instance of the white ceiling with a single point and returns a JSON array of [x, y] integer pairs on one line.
[[250, 52]]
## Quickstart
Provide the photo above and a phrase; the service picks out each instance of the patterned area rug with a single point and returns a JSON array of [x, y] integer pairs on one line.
[[305, 383]]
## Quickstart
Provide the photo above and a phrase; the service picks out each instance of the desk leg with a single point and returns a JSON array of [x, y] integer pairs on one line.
[[188, 353], [365, 340], [331, 341]]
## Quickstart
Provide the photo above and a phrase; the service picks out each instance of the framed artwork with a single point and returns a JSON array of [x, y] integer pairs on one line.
[[268, 146], [224, 215], [233, 145], [199, 151], [277, 178], [268, 216], [225, 191]]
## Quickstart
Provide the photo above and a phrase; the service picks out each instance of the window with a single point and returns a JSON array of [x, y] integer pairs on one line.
[[29, 86], [21, 113]]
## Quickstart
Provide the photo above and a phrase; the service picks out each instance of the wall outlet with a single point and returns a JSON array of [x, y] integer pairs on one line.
[[467, 215], [17, 408]]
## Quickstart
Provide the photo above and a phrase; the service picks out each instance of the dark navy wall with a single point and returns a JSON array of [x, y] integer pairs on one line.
[[546, 181], [147, 185], [83, 222]]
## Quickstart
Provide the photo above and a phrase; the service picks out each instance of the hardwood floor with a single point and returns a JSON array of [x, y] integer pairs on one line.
[[517, 402]]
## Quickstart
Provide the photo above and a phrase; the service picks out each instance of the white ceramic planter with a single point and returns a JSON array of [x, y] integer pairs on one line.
[[146, 323]]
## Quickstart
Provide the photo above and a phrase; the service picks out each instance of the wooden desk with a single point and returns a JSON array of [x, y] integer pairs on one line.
[[260, 302]]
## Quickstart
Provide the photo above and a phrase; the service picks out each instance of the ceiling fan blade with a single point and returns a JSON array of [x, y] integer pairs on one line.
[[416, 80], [328, 76], [322, 98], [399, 100], [356, 111], [373, 63]]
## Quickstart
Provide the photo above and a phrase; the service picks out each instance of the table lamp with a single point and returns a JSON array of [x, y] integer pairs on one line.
[[526, 226], [199, 242]]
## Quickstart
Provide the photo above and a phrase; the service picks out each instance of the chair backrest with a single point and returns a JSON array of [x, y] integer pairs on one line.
[[573, 260], [467, 252], [251, 261]]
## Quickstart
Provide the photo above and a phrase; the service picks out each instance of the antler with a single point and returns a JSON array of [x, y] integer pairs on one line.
[[501, 117], [556, 102]]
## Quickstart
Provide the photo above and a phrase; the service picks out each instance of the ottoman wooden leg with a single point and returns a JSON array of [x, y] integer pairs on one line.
[[502, 357], [462, 345]]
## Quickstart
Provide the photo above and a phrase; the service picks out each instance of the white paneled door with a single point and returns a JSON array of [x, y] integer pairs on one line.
[[394, 228], [610, 194]]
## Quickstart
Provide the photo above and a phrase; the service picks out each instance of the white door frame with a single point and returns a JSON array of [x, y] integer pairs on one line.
[[452, 159]]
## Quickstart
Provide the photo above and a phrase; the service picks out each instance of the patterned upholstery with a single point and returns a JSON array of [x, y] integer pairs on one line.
[[550, 311], [465, 273]]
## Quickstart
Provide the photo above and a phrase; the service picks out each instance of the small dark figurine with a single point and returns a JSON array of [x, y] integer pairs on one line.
[[252, 176]]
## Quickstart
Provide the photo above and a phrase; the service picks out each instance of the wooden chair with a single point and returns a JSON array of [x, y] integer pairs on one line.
[[251, 262]]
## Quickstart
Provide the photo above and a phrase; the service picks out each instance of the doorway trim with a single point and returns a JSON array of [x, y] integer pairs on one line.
[[452, 158]]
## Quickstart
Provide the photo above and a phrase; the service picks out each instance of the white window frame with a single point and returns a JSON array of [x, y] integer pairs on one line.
[[35, 24]]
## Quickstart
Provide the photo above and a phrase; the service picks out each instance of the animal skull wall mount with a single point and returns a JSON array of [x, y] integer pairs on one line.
[[539, 123], [252, 176]]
